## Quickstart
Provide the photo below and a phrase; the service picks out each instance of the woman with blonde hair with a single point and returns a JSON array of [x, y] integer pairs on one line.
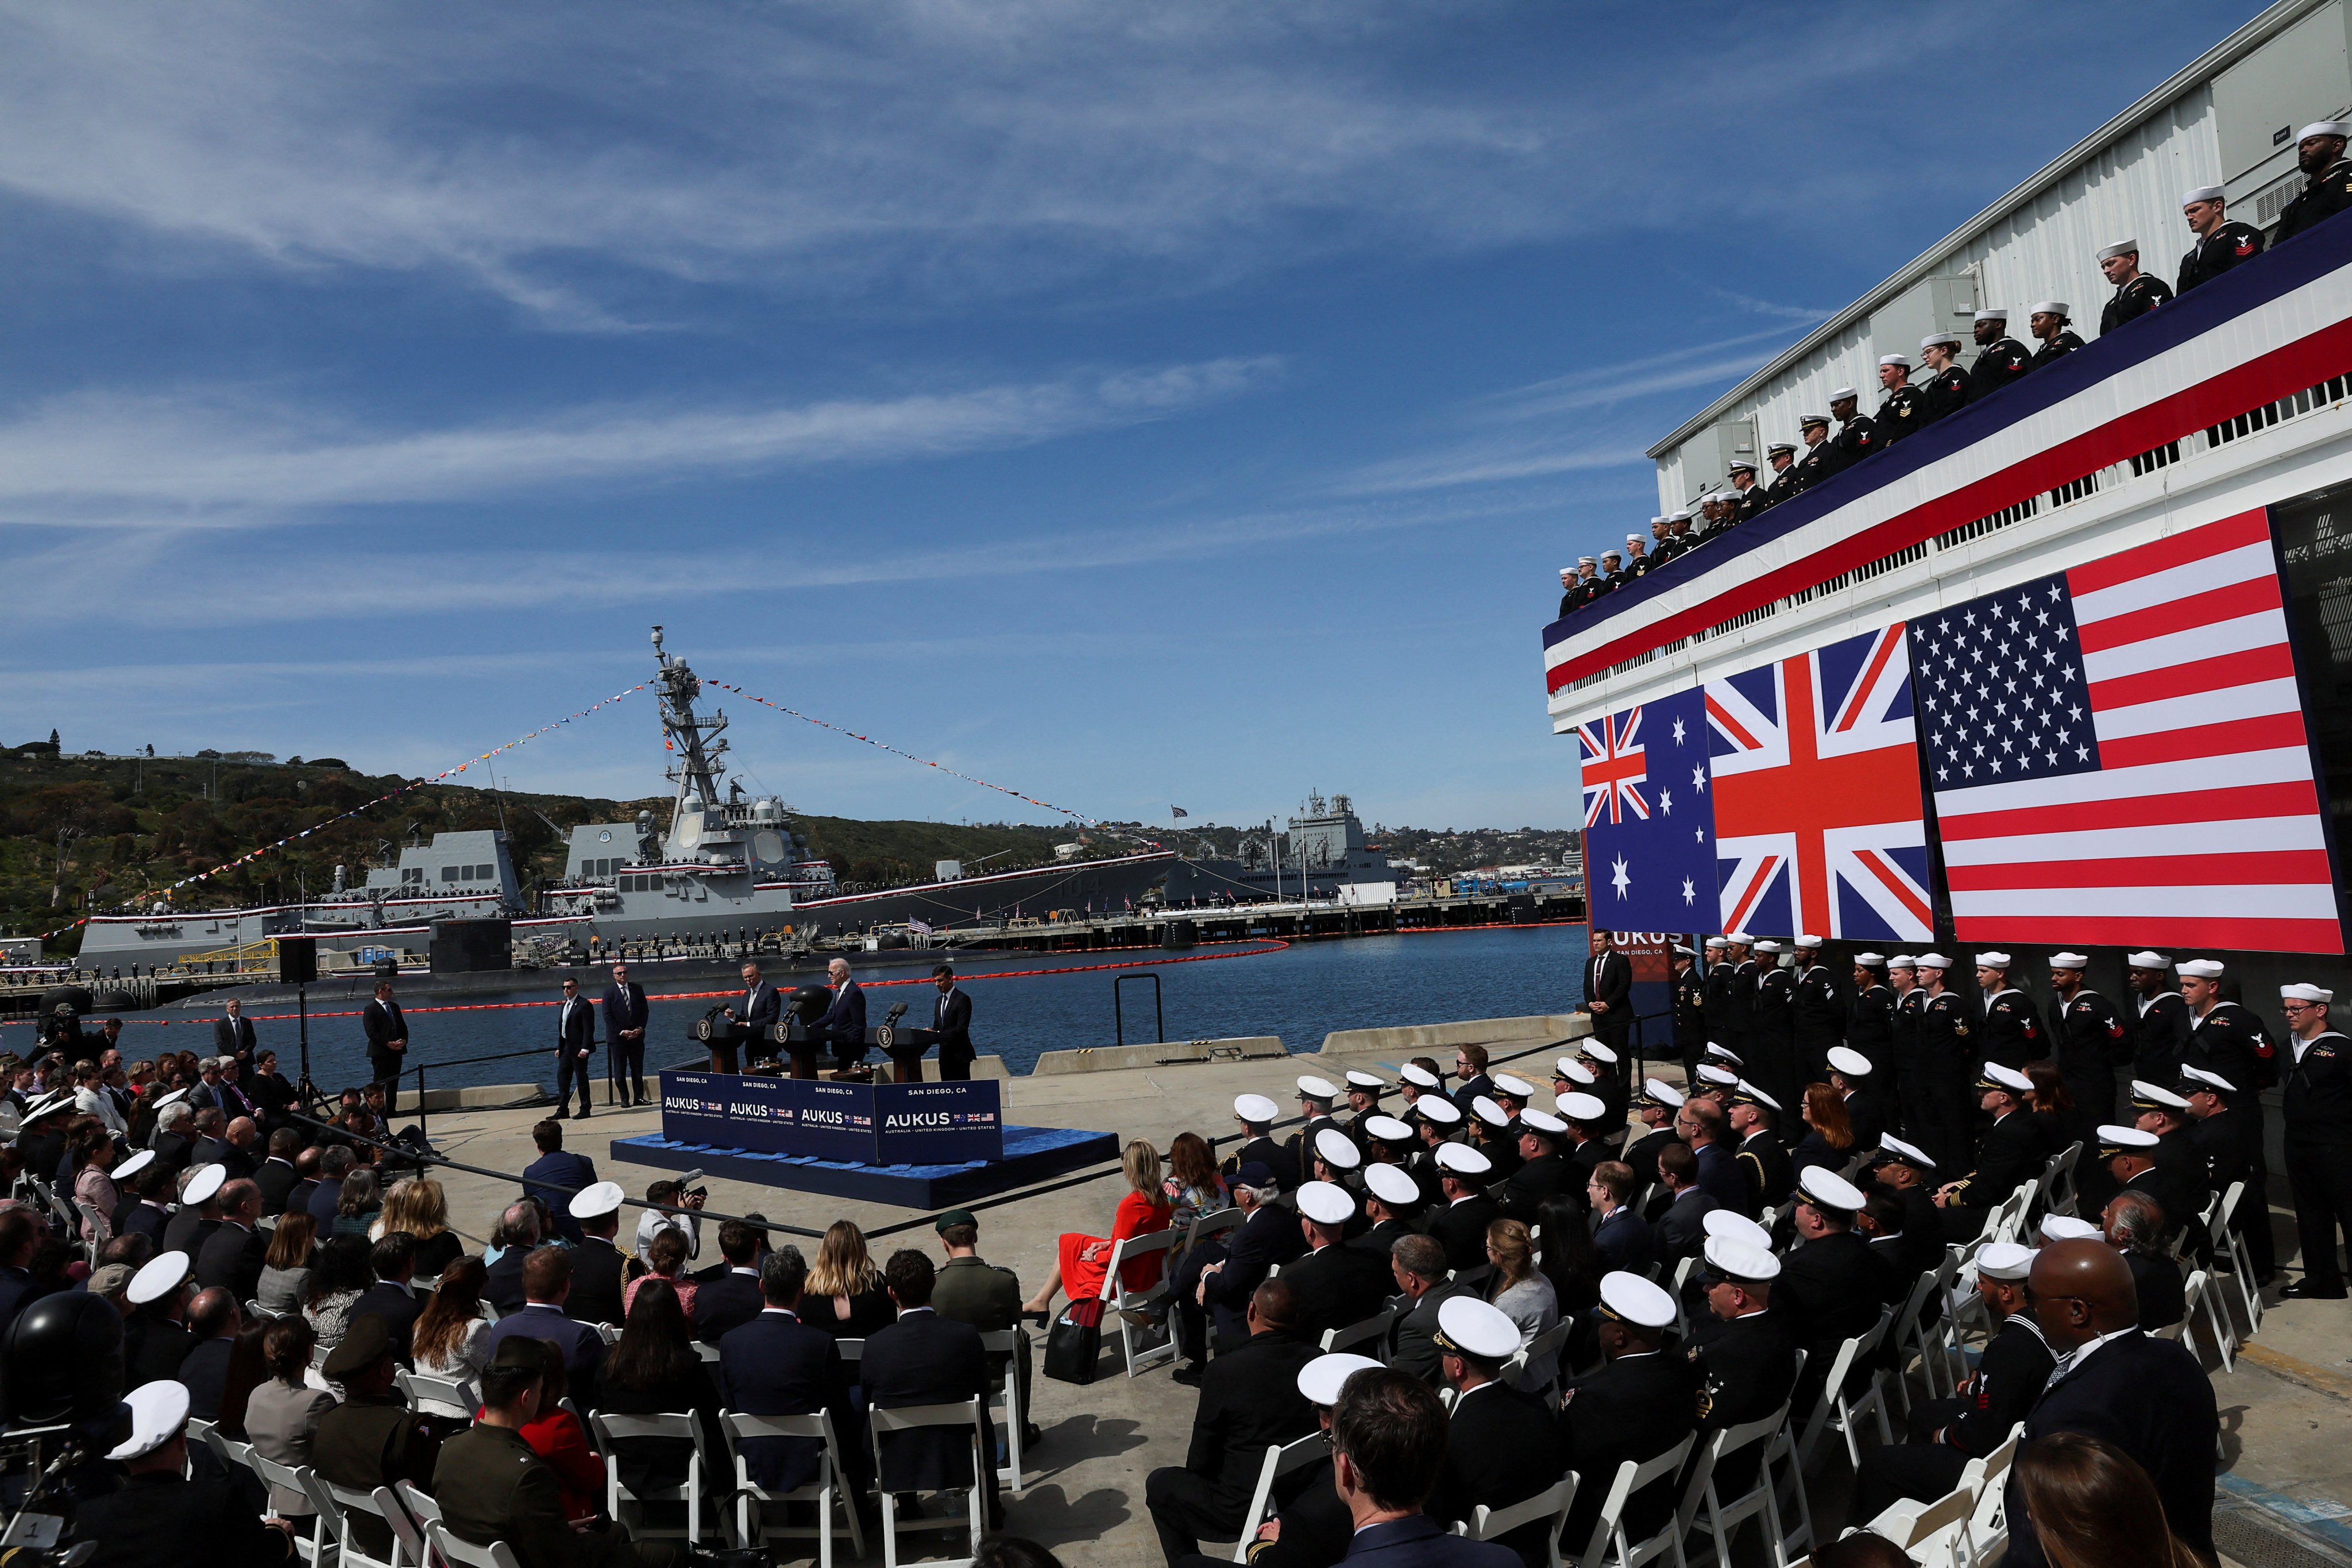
[[1085, 1259], [844, 1295], [666, 1255], [1521, 1293], [417, 1205]]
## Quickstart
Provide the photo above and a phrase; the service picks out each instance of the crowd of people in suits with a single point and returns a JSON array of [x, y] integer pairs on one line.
[[1915, 393]]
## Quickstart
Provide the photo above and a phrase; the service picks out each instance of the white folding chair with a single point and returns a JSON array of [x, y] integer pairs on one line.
[[1374, 1328], [1206, 1227], [316, 1549], [1546, 1344], [1133, 1307], [419, 1504], [1722, 1515], [1928, 1535], [345, 1502], [2058, 1192], [1551, 1503], [1987, 1532], [464, 1553], [971, 1416], [754, 1526], [407, 1526], [1609, 1547], [629, 1507], [1682, 1277], [454, 1398], [1281, 1459], [1008, 1343], [2231, 1235], [1473, 1278], [1903, 1332], [1843, 1406]]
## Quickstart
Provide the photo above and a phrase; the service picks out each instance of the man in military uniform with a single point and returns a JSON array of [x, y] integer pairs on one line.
[[2048, 324], [2161, 1019], [1857, 435], [2222, 242], [2003, 358], [1763, 1158], [2327, 189], [1747, 1366], [2012, 1028], [1637, 559], [1690, 1011], [372, 1439], [1832, 1287], [1870, 1028], [2226, 1039], [2136, 294], [1638, 1403], [1753, 498], [2214, 1135], [1722, 969], [1786, 480], [2318, 1118], [2011, 1154], [1819, 1013], [1947, 387], [1901, 411], [1656, 1105], [1822, 456], [1905, 1035], [1587, 586], [1613, 571], [1571, 590], [1769, 1052], [1947, 1048], [1852, 1076], [2087, 1035]]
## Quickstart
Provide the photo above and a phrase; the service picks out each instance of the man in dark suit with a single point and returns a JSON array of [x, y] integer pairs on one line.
[[601, 1271], [1268, 1234], [1639, 1404], [1249, 1401], [392, 1297], [753, 1018], [843, 1028], [777, 1365], [1471, 1079], [387, 1034], [1501, 1446], [1623, 1238], [212, 1321], [1702, 1124], [232, 1256], [950, 1030], [733, 1298], [626, 1012], [1609, 992], [575, 1042], [925, 1358], [1681, 1224], [1334, 1286], [2135, 1227], [233, 1035], [1460, 1227], [556, 1177], [2148, 1397], [1417, 1263], [503, 1286], [546, 1284], [277, 1176]]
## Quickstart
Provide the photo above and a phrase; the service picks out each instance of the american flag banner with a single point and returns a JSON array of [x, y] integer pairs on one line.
[[1815, 787], [2118, 754], [1649, 838]]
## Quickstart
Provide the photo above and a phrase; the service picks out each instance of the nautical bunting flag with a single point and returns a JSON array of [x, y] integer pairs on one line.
[[1649, 840], [1815, 781], [2118, 754]]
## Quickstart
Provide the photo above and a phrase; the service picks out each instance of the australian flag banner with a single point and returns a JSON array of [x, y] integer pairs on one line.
[[1649, 840]]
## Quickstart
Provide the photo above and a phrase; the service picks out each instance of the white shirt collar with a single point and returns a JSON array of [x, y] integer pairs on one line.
[[2072, 1361]]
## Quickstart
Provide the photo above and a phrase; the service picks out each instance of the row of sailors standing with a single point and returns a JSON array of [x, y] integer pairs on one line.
[[1944, 386]]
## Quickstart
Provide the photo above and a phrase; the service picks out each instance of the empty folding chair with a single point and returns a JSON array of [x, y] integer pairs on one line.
[[350, 1506], [464, 1553], [1007, 1344], [967, 1416], [1281, 1459], [755, 1525], [1551, 1503], [1608, 1547], [629, 1507], [1723, 1515], [1370, 1337], [1855, 1389], [1135, 1308], [451, 1398]]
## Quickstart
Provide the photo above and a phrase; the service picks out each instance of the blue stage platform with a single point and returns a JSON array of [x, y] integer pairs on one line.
[[1031, 1155]]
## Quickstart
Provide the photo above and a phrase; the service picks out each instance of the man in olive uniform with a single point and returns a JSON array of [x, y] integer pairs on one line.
[[1786, 480], [2088, 1038], [2222, 242], [371, 1440], [1947, 1048], [1901, 411], [1858, 437], [2048, 324], [2012, 1028], [1822, 456], [2003, 358], [2319, 154], [2318, 1116], [1947, 387], [2137, 293]]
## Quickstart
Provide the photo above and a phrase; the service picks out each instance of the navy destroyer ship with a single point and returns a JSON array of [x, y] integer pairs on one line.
[[1324, 851], [724, 864]]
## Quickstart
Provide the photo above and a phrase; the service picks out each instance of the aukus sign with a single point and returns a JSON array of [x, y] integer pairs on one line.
[[883, 1124]]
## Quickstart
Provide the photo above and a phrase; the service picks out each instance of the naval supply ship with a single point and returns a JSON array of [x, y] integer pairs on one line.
[[1324, 851], [724, 865]]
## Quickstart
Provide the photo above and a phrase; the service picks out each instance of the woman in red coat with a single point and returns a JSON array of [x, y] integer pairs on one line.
[[1086, 1258]]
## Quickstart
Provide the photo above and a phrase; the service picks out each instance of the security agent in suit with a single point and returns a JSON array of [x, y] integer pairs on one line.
[[575, 1042], [926, 1359], [2011, 1154], [1831, 1288], [1268, 1234], [1607, 991], [2088, 1038], [1680, 1224], [601, 1271], [1945, 1433], [1249, 1401], [2136, 294], [387, 1034], [756, 1015], [1502, 1446], [1333, 1285], [777, 1365], [2002, 358], [1748, 1366], [2148, 1397], [1460, 1226], [1418, 1264], [556, 1175], [2327, 189], [233, 1034], [159, 1516], [1641, 1401], [232, 1255], [2316, 1112], [626, 1013], [1544, 1171]]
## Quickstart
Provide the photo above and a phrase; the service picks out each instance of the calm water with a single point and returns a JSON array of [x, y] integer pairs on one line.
[[1300, 994]]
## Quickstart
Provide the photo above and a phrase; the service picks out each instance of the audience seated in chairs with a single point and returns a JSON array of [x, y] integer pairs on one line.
[[286, 1267], [844, 1295], [654, 1370], [1521, 1293], [2090, 1503], [282, 1416], [1085, 1259]]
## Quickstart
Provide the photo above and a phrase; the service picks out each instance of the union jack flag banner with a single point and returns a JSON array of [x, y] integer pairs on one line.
[[1814, 778], [1649, 838], [2119, 754]]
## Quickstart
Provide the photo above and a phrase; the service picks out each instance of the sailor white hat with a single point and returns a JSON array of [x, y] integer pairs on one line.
[[1939, 340], [1463, 1160], [2070, 960], [2049, 307], [1844, 394], [1910, 1154], [1660, 1092], [1871, 960], [1738, 1260], [2007, 1078], [1598, 1052], [1466, 1324], [1766, 945], [1256, 1107], [1992, 958], [1388, 1129], [1313, 1087], [2066, 1228], [1544, 1121], [1326, 1202], [1808, 942], [1931, 961], [1337, 1149], [1718, 942], [1438, 1108], [1994, 313], [1680, 514], [158, 1411], [2200, 969], [1721, 1053], [1513, 1085], [597, 1199], [1580, 1108], [1733, 1226], [1826, 1188], [2004, 1260], [2120, 247], [1573, 1070], [1320, 1380], [1588, 561], [2201, 193], [1741, 938], [1391, 1185], [1713, 1073], [2325, 127], [133, 1165], [1358, 1078], [1903, 961], [1630, 1298], [1849, 1061], [204, 1184], [1566, 570], [1902, 360], [1745, 1092], [2146, 960], [2114, 1140], [2196, 1079], [1637, 539], [158, 1278], [1418, 1076], [2305, 992], [2147, 1096]]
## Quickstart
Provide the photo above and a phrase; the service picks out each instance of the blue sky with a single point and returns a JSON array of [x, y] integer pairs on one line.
[[1132, 403]]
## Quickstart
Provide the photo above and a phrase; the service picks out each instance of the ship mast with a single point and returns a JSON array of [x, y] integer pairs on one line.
[[695, 773]]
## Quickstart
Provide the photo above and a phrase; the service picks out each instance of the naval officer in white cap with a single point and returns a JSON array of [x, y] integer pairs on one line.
[[2327, 179], [1316, 1096], [1637, 1405], [158, 1516], [2222, 242], [1256, 1114], [1502, 1446]]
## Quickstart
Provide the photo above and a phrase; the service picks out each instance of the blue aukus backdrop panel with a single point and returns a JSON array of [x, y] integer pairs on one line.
[[890, 1124], [938, 1124], [835, 1121]]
